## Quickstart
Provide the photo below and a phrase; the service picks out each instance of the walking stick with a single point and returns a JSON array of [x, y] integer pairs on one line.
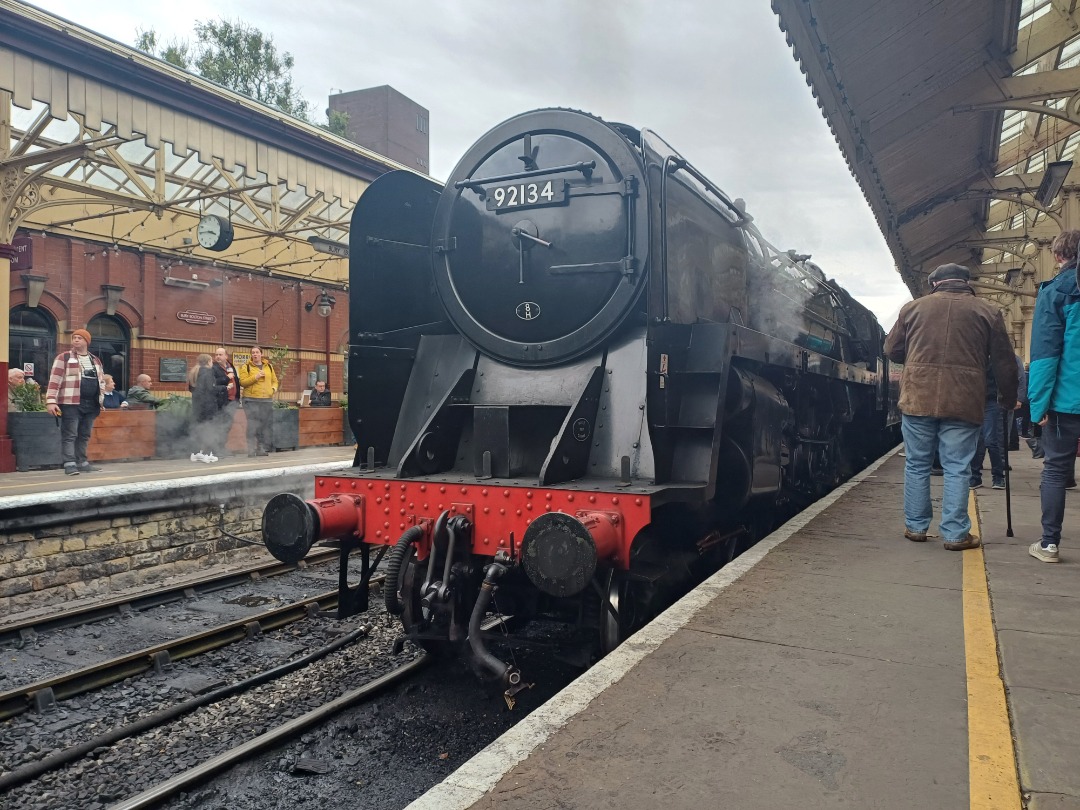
[[1008, 490]]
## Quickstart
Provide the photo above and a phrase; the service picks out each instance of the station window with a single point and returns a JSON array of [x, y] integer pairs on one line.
[[33, 342], [421, 123], [112, 345]]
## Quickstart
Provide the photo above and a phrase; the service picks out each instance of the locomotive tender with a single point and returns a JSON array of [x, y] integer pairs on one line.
[[581, 378]]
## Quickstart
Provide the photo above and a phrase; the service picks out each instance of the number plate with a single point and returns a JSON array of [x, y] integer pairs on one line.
[[514, 196]]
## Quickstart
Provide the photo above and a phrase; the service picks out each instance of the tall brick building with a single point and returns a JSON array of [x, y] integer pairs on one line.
[[387, 122]]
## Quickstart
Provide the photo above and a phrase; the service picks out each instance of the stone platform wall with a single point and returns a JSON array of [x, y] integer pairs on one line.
[[106, 541], [55, 564]]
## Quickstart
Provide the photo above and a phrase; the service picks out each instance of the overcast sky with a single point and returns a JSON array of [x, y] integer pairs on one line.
[[715, 78]]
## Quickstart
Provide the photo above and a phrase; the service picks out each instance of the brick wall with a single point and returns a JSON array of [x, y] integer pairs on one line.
[[49, 566], [76, 269]]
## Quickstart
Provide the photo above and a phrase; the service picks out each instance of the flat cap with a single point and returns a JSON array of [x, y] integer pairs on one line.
[[949, 271]]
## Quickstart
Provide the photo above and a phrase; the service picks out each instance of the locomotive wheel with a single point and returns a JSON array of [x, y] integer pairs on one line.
[[617, 626], [425, 628]]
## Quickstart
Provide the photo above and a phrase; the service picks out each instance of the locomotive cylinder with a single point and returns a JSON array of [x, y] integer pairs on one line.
[[560, 553], [291, 525]]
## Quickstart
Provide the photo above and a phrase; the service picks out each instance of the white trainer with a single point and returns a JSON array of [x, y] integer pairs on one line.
[[198, 456], [1047, 554], [210, 459]]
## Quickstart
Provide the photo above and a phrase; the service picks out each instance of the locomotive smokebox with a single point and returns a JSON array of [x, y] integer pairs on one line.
[[290, 525], [559, 553]]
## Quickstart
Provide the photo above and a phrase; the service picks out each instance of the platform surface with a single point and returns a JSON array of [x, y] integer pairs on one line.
[[113, 473], [835, 664]]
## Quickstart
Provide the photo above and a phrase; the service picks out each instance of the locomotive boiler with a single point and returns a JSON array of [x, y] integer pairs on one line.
[[581, 381]]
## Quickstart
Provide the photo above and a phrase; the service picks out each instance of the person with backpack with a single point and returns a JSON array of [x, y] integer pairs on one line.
[[75, 395], [259, 384]]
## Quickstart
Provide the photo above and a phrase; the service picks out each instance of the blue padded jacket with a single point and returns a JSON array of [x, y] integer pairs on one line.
[[1054, 374]]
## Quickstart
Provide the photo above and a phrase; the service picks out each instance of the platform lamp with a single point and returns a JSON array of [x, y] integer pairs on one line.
[[112, 297], [35, 286], [1052, 181], [323, 304], [1012, 277]]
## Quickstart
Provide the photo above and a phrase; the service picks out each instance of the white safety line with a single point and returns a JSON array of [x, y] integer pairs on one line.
[[147, 487], [469, 783]]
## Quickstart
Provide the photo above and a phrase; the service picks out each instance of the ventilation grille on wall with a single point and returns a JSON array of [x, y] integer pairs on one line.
[[245, 330]]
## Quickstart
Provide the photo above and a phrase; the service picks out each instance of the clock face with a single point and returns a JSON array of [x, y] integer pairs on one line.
[[214, 232]]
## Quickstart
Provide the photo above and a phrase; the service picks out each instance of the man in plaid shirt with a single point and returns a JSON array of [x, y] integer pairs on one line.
[[75, 395]]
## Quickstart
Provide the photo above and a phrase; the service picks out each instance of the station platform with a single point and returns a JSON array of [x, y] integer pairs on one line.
[[114, 473], [835, 664]]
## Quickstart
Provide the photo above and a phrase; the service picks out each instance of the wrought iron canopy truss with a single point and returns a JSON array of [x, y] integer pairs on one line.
[[102, 142]]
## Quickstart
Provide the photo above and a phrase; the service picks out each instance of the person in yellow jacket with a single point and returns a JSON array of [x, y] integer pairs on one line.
[[259, 384]]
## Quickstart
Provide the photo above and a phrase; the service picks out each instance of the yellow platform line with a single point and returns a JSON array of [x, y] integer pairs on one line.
[[991, 758]]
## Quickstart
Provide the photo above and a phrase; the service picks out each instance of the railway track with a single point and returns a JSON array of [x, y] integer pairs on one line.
[[27, 629], [43, 695], [189, 742], [192, 777]]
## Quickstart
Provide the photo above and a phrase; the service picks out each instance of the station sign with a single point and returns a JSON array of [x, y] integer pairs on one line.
[[196, 317], [24, 253]]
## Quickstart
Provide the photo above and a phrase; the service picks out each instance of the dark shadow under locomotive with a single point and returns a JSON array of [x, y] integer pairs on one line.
[[581, 378]]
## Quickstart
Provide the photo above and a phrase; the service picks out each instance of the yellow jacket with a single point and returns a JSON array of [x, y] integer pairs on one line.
[[255, 388]]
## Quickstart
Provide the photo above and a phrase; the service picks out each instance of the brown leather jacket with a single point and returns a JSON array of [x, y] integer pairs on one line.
[[943, 340]]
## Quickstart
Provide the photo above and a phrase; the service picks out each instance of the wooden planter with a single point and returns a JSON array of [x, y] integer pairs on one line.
[[320, 426], [123, 435], [36, 440], [172, 435]]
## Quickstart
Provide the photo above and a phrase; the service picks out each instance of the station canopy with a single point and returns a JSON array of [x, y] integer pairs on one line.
[[102, 142], [959, 120]]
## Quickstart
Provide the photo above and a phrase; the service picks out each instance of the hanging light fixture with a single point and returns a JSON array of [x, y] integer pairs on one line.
[[324, 304], [1052, 181]]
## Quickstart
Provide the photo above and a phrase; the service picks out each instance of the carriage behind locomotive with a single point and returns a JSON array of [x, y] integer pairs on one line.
[[581, 380]]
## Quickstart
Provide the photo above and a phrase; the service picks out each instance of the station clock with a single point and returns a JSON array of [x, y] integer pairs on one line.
[[214, 232]]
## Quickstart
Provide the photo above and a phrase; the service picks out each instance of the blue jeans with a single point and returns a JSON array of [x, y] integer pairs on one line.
[[1059, 438], [955, 443], [991, 438]]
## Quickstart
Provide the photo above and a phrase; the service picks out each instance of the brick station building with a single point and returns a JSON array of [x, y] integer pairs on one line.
[[168, 215]]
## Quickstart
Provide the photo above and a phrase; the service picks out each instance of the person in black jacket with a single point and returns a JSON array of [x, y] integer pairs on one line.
[[320, 397], [227, 389], [206, 403]]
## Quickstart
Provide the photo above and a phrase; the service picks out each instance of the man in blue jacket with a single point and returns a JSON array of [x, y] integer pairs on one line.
[[1054, 388]]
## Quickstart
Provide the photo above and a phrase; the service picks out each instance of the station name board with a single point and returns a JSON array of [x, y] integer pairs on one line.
[[196, 317]]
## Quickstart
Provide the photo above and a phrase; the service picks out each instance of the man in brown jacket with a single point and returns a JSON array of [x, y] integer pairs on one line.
[[943, 340]]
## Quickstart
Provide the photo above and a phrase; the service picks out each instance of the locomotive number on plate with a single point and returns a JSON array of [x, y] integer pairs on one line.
[[521, 195], [527, 310]]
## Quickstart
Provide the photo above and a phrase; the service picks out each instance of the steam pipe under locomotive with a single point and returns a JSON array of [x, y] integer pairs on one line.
[[582, 380]]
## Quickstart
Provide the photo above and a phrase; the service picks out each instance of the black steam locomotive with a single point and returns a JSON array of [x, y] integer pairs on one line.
[[579, 376]]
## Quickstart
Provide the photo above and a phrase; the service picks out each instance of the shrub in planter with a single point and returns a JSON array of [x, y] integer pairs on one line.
[[28, 397]]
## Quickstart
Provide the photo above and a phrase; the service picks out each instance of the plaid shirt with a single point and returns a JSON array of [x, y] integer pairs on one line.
[[66, 378]]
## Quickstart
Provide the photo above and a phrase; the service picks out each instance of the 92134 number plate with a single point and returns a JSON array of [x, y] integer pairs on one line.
[[513, 196]]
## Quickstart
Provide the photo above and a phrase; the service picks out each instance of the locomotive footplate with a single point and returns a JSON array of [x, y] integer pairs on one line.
[[390, 507]]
